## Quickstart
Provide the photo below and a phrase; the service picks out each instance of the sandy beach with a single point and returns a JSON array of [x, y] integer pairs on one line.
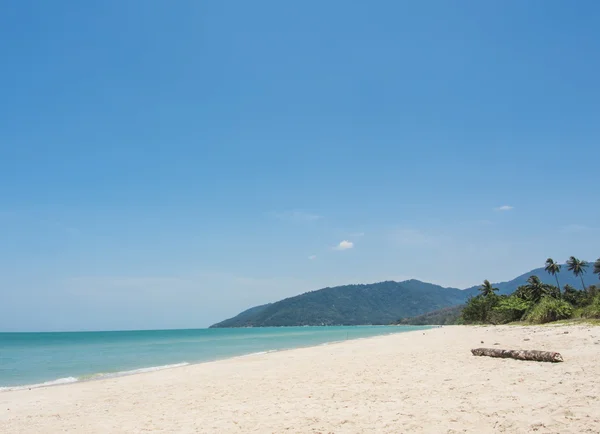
[[417, 382]]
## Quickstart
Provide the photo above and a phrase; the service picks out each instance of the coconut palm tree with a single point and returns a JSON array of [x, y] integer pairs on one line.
[[578, 268], [597, 267], [536, 289], [487, 289], [553, 268]]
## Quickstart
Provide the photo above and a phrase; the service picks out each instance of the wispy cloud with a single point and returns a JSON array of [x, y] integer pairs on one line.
[[504, 208], [296, 216], [312, 257], [344, 245]]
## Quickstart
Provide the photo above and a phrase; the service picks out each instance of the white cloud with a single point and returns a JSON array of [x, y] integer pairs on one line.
[[312, 257], [504, 208], [344, 245], [296, 216]]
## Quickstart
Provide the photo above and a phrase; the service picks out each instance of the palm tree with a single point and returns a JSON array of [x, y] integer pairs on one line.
[[536, 289], [578, 268], [487, 289], [553, 268], [597, 267]]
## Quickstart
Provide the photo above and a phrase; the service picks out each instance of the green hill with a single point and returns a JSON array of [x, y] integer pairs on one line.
[[377, 303]]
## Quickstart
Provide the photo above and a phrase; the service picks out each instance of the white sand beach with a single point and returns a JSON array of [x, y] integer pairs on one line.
[[417, 382]]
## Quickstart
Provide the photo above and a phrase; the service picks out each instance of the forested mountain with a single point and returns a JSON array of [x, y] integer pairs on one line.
[[377, 303]]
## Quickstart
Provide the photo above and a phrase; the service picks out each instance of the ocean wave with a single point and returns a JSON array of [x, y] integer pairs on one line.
[[91, 377], [254, 354], [101, 375], [56, 382], [324, 344]]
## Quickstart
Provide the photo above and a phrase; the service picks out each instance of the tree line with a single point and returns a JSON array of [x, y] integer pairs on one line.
[[537, 302]]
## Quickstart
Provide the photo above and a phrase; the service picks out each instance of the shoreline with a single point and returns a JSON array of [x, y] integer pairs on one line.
[[99, 376], [402, 382]]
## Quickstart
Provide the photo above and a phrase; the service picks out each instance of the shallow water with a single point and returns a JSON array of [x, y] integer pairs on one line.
[[44, 359]]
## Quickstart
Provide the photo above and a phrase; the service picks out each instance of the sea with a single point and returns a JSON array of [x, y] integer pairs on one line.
[[30, 360]]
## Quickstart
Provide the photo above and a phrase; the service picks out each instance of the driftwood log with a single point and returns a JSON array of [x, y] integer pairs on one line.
[[538, 356]]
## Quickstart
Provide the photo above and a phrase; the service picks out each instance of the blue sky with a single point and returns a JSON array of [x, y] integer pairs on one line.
[[167, 164]]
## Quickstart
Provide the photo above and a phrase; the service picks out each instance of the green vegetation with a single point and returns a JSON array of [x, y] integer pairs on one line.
[[574, 297], [593, 309], [536, 302], [553, 268], [549, 309], [578, 268], [445, 316], [487, 290], [511, 309]]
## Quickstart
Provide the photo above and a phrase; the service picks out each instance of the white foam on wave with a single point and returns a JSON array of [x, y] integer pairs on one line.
[[65, 380], [256, 354], [101, 375], [97, 376], [324, 344]]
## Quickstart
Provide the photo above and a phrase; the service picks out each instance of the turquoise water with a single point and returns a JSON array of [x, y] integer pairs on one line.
[[42, 359]]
